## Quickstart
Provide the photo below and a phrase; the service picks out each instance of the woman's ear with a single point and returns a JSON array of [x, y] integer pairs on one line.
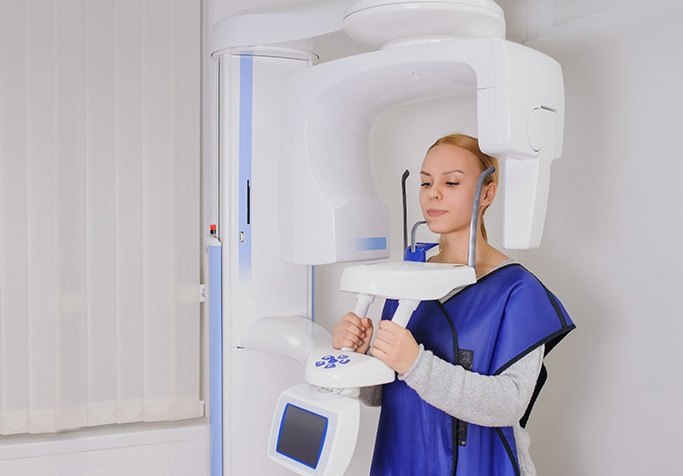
[[488, 194]]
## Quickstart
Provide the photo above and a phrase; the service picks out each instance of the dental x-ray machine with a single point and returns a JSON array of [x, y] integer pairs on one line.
[[297, 189]]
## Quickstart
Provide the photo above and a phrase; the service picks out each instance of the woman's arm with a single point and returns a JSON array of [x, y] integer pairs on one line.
[[495, 401]]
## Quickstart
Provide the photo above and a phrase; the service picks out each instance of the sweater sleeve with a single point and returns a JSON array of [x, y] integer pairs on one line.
[[484, 400], [371, 396]]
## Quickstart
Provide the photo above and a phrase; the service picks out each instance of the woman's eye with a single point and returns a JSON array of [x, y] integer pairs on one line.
[[425, 184], [452, 183]]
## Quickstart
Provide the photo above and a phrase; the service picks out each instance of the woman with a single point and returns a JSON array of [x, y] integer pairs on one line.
[[470, 365]]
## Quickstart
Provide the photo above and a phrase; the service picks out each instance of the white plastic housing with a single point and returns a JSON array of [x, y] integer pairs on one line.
[[350, 369], [290, 25], [406, 279], [290, 336], [383, 23], [340, 414], [329, 205], [302, 339]]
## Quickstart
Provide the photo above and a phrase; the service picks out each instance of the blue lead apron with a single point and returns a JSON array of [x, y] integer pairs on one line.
[[486, 328]]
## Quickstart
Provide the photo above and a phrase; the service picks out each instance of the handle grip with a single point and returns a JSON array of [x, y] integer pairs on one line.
[[404, 311], [363, 302]]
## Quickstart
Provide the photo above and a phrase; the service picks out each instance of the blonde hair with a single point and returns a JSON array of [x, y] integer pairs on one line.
[[471, 144]]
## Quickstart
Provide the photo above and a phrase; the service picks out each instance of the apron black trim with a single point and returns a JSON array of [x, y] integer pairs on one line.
[[455, 423], [508, 450], [549, 341], [556, 306], [542, 377]]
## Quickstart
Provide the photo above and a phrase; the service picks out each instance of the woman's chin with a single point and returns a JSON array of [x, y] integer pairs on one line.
[[441, 228], [437, 228]]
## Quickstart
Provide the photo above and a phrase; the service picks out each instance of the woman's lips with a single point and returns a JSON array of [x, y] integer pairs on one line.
[[435, 213]]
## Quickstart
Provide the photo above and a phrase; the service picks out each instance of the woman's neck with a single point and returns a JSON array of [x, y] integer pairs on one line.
[[454, 249]]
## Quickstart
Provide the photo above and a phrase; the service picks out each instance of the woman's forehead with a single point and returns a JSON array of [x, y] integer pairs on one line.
[[445, 158]]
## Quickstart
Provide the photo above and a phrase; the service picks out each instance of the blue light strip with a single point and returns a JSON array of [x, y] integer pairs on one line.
[[216, 359], [245, 157], [371, 243]]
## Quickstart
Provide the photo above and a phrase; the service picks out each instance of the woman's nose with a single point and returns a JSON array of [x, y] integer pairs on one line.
[[434, 192]]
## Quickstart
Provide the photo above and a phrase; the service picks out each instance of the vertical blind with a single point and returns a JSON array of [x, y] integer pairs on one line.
[[99, 212]]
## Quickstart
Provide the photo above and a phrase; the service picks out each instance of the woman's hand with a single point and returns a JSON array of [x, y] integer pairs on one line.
[[353, 332], [395, 346]]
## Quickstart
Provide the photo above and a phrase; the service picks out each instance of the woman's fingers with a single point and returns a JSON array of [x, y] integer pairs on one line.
[[395, 346], [350, 332]]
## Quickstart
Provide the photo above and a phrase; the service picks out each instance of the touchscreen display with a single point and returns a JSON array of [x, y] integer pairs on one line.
[[302, 435]]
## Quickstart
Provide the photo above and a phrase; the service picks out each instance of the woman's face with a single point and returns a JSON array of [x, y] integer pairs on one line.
[[448, 183]]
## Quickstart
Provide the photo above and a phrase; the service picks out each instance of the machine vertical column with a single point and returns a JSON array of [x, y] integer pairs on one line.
[[256, 283]]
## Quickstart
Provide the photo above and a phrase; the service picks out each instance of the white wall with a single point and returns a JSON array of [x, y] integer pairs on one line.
[[611, 248]]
